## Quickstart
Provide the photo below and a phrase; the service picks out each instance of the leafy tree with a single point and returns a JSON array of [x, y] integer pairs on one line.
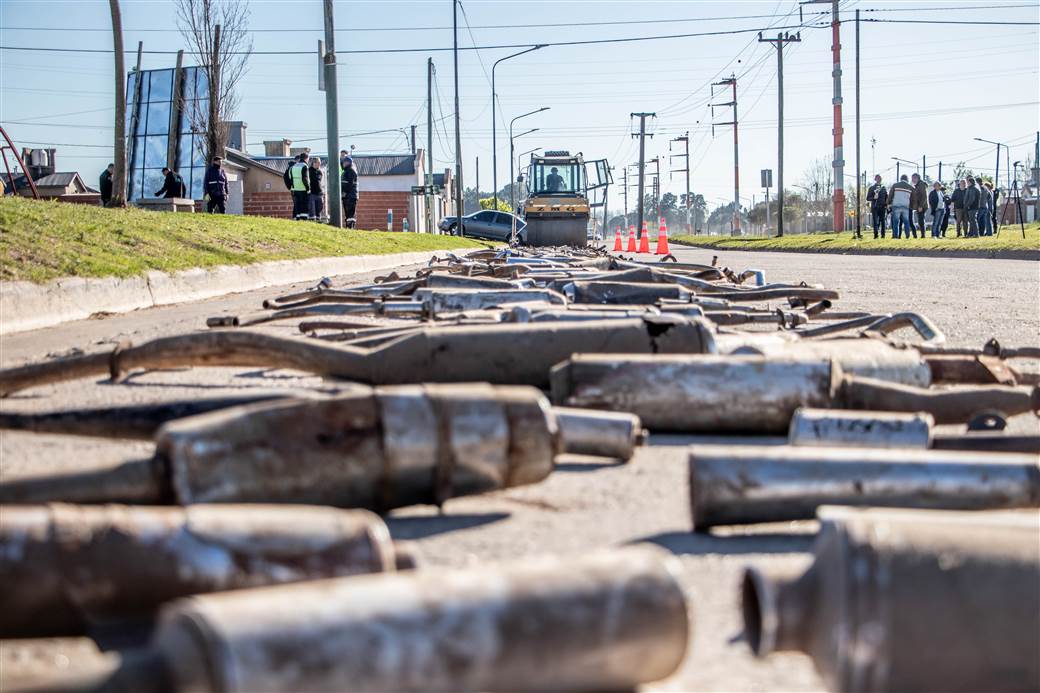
[[489, 203]]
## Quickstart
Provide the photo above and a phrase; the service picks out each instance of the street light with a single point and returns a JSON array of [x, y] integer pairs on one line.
[[512, 195], [899, 161], [996, 171], [494, 138]]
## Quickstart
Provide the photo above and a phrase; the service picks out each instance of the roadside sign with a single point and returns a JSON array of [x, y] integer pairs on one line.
[[426, 189], [767, 178]]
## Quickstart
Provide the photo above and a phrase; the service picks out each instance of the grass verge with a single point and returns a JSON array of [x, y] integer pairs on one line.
[[44, 240], [1009, 241]]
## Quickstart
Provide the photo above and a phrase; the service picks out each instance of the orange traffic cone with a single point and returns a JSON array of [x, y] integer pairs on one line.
[[617, 239], [644, 240], [631, 239], [662, 238]]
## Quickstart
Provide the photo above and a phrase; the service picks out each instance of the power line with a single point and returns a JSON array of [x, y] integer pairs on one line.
[[949, 21]]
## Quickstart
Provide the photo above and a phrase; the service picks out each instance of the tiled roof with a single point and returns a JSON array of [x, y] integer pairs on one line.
[[366, 164]]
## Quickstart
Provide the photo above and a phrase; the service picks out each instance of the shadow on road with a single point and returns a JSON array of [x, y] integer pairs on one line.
[[700, 543], [427, 526]]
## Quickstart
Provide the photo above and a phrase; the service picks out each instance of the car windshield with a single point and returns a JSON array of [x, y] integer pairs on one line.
[[558, 178]]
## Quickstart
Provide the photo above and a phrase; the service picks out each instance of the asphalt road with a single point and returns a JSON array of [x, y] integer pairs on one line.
[[587, 503]]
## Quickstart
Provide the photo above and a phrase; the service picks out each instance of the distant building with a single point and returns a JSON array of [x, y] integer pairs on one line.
[[67, 186]]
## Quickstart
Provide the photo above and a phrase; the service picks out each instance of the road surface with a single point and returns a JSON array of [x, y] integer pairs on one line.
[[587, 503]]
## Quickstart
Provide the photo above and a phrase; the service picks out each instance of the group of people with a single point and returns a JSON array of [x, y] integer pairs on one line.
[[304, 178], [973, 203]]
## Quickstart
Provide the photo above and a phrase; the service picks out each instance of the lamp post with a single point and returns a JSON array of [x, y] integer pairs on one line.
[[996, 171], [512, 194], [494, 138]]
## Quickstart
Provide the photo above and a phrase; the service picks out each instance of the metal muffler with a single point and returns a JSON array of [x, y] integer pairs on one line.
[[607, 621], [65, 567], [746, 484], [389, 448], [707, 393], [909, 600]]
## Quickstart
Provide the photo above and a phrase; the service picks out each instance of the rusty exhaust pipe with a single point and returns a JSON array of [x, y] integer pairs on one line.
[[909, 600], [520, 354], [397, 446], [747, 484], [67, 567], [608, 621]]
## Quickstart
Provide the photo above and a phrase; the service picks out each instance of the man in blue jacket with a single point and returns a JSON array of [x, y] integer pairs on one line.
[[216, 186]]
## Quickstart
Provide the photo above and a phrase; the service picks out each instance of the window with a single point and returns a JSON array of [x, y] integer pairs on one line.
[[556, 177]]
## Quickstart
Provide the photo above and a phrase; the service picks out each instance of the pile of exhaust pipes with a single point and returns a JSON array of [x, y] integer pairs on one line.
[[247, 553]]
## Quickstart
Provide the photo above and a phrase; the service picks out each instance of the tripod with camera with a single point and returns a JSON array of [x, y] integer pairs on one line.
[[1014, 194]]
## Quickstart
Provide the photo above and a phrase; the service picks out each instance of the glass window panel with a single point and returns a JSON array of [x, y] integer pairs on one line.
[[194, 116], [158, 118], [198, 154], [131, 88], [201, 83], [134, 191], [198, 175], [153, 180], [184, 152], [138, 153], [161, 85], [144, 87], [155, 151]]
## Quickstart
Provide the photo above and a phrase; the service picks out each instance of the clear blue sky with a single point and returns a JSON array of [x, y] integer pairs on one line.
[[927, 89]]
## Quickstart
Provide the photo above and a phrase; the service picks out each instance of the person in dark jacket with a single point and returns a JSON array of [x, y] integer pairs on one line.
[[316, 195], [105, 184], [216, 186], [985, 214], [972, 201], [957, 198], [173, 185], [947, 205], [349, 191], [937, 206], [877, 196], [918, 203]]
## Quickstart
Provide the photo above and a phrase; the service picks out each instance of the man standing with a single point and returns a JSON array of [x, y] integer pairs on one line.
[[316, 198], [877, 196], [985, 208], [299, 186], [216, 186], [972, 200], [958, 206], [173, 185], [918, 203], [937, 207], [349, 191], [899, 201], [105, 184]]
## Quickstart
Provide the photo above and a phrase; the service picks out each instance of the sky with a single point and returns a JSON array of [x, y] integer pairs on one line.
[[927, 89]]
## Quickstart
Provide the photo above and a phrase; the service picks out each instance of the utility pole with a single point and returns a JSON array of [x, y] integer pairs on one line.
[[859, 164], [478, 181], [779, 41], [458, 131], [214, 147], [332, 118], [413, 138], [119, 149], [685, 139], [624, 192], [428, 179], [732, 81], [642, 166]]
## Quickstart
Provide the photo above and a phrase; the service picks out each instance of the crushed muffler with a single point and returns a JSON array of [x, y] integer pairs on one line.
[[66, 568], [755, 394], [393, 447], [746, 484], [607, 621], [909, 600]]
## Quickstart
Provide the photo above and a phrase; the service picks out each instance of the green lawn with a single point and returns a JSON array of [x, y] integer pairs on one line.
[[41, 240], [1009, 240]]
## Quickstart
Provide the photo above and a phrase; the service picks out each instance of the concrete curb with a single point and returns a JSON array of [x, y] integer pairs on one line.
[[1031, 255], [27, 306]]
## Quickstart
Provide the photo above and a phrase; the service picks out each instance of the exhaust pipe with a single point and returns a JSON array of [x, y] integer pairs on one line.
[[909, 600], [747, 484], [66, 568], [608, 621], [399, 446]]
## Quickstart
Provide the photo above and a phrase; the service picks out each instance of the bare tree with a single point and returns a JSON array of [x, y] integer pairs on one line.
[[119, 148], [217, 33], [817, 183]]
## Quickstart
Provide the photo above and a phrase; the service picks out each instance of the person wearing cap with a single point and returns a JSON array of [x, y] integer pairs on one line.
[[216, 186], [349, 191], [299, 185]]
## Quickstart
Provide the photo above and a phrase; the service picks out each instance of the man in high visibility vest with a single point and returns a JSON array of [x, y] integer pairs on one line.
[[297, 179]]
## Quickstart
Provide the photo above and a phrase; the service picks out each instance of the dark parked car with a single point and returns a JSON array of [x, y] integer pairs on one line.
[[487, 223]]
